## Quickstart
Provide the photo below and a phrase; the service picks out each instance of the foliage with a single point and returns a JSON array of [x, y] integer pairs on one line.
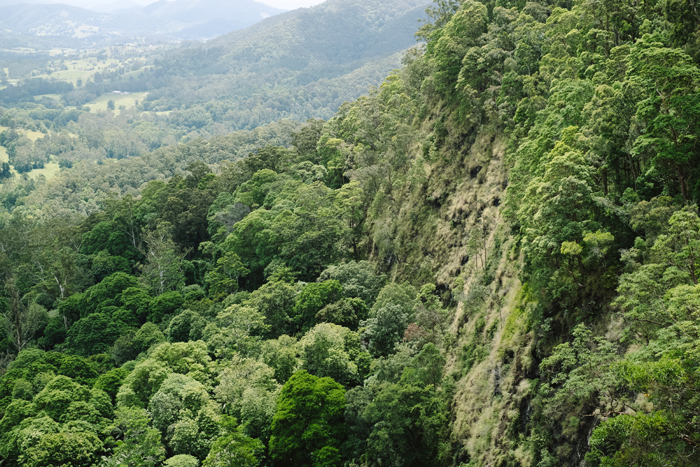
[[489, 259], [312, 299], [329, 350], [248, 392], [137, 442], [307, 428], [234, 449], [358, 279], [75, 449]]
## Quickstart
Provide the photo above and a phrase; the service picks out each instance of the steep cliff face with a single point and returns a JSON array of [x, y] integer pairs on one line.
[[438, 217], [525, 162], [472, 255]]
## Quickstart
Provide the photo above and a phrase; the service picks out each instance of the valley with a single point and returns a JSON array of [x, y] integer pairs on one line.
[[363, 233]]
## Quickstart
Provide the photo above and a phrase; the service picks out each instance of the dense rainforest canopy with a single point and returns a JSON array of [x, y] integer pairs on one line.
[[491, 259]]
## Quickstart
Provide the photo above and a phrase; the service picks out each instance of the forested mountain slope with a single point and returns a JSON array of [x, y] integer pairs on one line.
[[297, 65], [490, 260], [60, 21], [191, 19], [300, 64]]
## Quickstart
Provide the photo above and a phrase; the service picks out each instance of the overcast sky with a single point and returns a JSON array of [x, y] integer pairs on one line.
[[284, 4], [291, 4]]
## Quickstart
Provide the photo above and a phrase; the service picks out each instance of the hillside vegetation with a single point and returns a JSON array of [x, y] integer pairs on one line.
[[489, 260], [120, 102], [300, 64]]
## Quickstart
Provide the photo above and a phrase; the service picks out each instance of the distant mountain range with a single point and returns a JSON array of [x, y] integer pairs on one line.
[[335, 36], [300, 64], [177, 19], [297, 65]]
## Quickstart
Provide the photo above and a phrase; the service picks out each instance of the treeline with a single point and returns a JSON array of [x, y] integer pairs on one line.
[[26, 91], [88, 177], [71, 136]]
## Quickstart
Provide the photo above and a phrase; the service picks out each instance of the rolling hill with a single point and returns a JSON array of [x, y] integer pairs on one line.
[[178, 19], [299, 64]]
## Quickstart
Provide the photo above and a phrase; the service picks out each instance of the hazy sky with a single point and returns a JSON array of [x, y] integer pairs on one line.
[[290, 4], [284, 4]]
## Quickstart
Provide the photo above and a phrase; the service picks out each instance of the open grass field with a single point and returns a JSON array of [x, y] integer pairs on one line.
[[100, 104], [49, 171], [32, 135], [82, 69], [58, 52], [50, 96], [135, 73]]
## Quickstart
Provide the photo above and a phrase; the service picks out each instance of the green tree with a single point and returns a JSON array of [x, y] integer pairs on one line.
[[254, 241], [308, 426], [146, 337], [248, 392], [22, 320], [673, 262], [358, 278], [398, 417], [440, 12], [223, 279], [185, 415], [560, 213], [137, 443], [234, 449], [430, 314], [66, 449], [182, 460], [315, 236], [346, 312], [94, 334], [238, 328], [408, 426], [669, 80], [312, 299], [103, 265], [164, 305], [186, 326], [449, 45], [275, 300], [330, 350], [402, 295], [386, 329], [110, 381], [253, 192], [162, 271], [106, 293], [185, 358], [281, 355]]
